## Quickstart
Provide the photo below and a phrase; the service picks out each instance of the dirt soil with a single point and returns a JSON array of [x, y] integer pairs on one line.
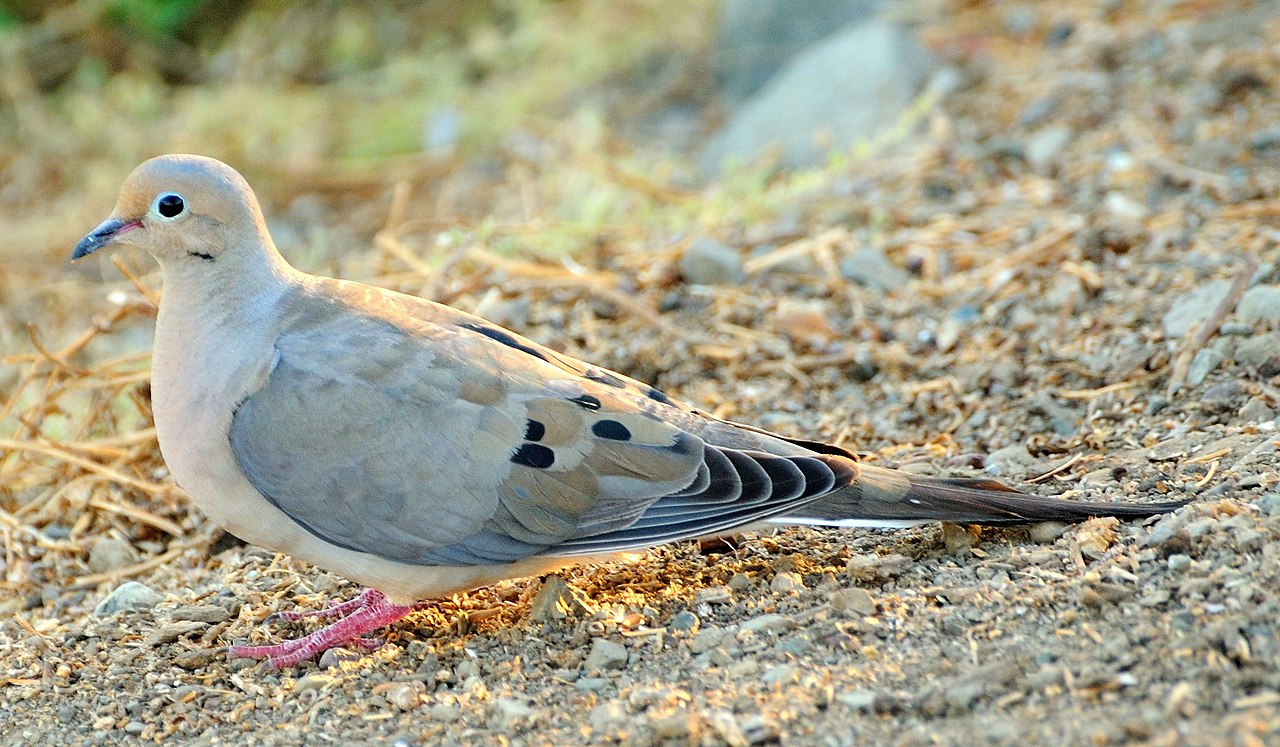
[[1074, 287]]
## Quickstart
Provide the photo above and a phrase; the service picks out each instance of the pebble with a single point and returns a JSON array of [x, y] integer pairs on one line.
[[859, 700], [1178, 562], [1269, 504], [708, 262], [714, 595], [1261, 303], [1043, 148], [556, 600], [1046, 532], [740, 582], [134, 727], [591, 684], [1193, 308], [406, 696], [606, 717], [130, 595], [1011, 460], [211, 614], [111, 553], [961, 696], [510, 715], [868, 267], [875, 568], [707, 639], [673, 725], [1261, 352], [684, 621], [780, 675], [314, 681], [856, 600], [767, 623], [1256, 410], [787, 582], [956, 538], [1205, 360], [1166, 530], [172, 631], [605, 655]]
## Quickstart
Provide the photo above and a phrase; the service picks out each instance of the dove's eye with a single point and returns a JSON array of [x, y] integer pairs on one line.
[[170, 205]]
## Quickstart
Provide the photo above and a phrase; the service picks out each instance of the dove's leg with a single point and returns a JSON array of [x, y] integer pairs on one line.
[[367, 597], [364, 614]]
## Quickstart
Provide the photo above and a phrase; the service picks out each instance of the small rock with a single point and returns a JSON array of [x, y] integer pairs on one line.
[[787, 582], [740, 582], [605, 655], [557, 600], [406, 696], [1223, 397], [1095, 536], [1261, 303], [961, 696], [706, 640], [728, 729], [111, 553], [591, 684], [510, 715], [673, 725], [1011, 460], [780, 675], [869, 267], [708, 262], [1046, 532], [1178, 562], [314, 681], [335, 657], [684, 621], [714, 595], [1269, 504], [873, 568], [1193, 308], [1205, 360], [130, 595], [859, 700], [857, 601], [134, 727], [956, 538], [607, 717], [1201, 527], [1256, 410], [172, 631], [211, 614], [1043, 148], [1261, 352], [766, 623]]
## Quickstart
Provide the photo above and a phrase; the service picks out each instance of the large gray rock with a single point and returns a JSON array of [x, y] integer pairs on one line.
[[843, 89], [758, 37]]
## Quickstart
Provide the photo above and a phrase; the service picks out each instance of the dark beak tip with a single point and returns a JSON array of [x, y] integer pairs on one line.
[[100, 236]]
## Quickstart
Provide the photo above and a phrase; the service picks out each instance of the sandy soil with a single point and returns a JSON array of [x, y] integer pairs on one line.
[[1103, 183]]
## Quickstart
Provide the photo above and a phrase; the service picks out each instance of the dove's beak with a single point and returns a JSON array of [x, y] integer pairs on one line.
[[106, 232]]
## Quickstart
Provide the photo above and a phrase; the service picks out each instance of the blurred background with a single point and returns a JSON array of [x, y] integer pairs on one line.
[[1036, 241]]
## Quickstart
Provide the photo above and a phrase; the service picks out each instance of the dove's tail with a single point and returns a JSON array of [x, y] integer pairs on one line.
[[887, 498]]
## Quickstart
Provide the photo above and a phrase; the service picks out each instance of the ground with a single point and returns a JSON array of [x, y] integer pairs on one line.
[[1065, 275]]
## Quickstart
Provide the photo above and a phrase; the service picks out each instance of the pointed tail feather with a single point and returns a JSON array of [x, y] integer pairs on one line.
[[882, 497]]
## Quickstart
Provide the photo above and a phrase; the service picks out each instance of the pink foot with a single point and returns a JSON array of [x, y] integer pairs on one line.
[[365, 598], [364, 614]]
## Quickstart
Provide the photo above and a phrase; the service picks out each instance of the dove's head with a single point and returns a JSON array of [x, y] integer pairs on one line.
[[182, 209]]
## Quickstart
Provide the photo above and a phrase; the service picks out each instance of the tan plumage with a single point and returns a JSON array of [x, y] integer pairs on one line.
[[421, 451]]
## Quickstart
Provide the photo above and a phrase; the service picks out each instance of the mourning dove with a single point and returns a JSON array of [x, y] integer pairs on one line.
[[421, 451]]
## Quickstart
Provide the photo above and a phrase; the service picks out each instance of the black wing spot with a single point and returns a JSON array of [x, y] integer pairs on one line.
[[606, 378], [534, 455], [534, 431], [612, 430], [586, 401], [498, 335], [658, 396]]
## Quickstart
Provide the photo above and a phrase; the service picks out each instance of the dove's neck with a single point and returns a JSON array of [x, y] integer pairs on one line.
[[217, 325]]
